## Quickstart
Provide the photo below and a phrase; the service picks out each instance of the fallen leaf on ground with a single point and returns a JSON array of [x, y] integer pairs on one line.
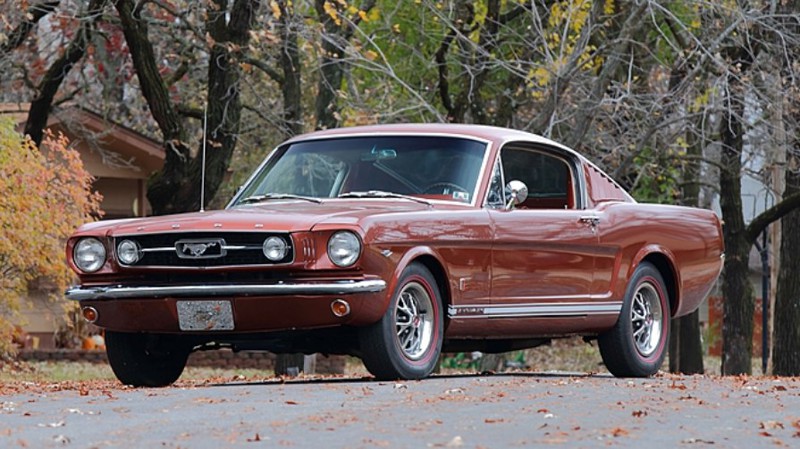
[[619, 432], [770, 425]]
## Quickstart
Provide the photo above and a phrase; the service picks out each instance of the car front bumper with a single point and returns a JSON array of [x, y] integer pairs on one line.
[[255, 307], [79, 293]]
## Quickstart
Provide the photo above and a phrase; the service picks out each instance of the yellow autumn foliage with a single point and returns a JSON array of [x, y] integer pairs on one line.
[[45, 196], [566, 22]]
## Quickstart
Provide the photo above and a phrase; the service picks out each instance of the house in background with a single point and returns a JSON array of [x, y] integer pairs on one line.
[[120, 159]]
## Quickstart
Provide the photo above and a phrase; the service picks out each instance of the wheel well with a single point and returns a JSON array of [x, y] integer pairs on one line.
[[664, 266], [439, 274]]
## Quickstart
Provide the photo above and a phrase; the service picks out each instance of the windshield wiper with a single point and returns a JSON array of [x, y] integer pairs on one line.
[[383, 194], [277, 196]]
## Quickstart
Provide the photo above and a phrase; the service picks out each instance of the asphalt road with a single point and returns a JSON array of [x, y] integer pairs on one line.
[[500, 411]]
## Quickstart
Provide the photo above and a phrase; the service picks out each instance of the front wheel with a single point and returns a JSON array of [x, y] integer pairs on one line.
[[146, 360], [636, 345], [407, 341]]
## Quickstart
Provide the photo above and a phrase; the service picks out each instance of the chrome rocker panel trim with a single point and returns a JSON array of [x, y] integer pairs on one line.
[[79, 293]]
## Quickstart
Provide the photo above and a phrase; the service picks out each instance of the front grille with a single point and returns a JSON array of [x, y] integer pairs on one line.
[[205, 249]]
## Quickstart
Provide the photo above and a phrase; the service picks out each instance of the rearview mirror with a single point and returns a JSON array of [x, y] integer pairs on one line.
[[517, 192], [377, 154]]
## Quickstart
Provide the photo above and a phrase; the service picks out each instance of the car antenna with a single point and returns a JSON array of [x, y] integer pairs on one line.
[[203, 160]]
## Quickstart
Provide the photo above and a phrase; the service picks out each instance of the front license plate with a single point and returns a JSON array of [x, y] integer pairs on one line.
[[205, 315]]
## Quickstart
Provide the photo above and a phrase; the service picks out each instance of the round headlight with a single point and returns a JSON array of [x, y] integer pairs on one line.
[[89, 254], [344, 247], [275, 248], [128, 252]]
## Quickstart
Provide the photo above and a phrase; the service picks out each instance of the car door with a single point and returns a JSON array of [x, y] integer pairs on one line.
[[544, 249]]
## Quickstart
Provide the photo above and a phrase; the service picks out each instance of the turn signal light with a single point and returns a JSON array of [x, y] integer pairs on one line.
[[340, 308], [89, 314]]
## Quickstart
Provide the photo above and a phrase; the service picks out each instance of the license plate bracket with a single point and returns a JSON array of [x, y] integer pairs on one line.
[[214, 315]]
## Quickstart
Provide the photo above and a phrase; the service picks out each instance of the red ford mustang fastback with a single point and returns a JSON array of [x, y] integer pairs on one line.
[[394, 243]]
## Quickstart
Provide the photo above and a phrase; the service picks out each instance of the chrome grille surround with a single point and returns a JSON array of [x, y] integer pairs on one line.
[[204, 249]]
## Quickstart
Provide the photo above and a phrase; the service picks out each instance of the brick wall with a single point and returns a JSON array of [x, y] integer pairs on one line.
[[222, 358]]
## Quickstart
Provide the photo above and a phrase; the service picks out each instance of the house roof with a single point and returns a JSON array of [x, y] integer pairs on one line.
[[108, 149]]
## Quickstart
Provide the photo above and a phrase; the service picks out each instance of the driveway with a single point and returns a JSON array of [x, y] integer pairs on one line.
[[499, 411]]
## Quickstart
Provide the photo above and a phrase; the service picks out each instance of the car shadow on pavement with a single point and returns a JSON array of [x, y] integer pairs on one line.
[[312, 379]]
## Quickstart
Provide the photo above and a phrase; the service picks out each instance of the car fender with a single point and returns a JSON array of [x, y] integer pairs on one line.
[[406, 259], [656, 249]]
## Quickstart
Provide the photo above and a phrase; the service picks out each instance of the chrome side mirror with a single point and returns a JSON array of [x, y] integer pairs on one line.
[[517, 192]]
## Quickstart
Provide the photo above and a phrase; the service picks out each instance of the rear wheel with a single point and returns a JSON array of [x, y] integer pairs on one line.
[[636, 345], [407, 341], [146, 360]]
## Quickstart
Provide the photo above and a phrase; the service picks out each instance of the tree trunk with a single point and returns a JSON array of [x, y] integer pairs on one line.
[[230, 30], [492, 363], [786, 313], [786, 340], [464, 17], [685, 345], [289, 364], [176, 188], [738, 301], [335, 37], [161, 188], [43, 102], [291, 86]]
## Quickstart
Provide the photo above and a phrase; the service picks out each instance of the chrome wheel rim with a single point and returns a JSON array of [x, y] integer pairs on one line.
[[414, 320], [647, 319]]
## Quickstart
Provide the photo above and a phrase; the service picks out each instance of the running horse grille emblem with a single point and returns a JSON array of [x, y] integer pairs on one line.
[[200, 248]]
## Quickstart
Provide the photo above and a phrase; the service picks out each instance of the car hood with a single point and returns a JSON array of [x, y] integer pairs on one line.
[[278, 216]]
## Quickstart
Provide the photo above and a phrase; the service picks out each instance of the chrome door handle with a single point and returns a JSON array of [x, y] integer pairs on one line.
[[591, 220]]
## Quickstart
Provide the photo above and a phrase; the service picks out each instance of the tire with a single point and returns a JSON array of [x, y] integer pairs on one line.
[[637, 344], [406, 342], [146, 360]]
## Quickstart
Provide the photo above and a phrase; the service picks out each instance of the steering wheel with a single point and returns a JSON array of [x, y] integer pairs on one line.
[[439, 188]]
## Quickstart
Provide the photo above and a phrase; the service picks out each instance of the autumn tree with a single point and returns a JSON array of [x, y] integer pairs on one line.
[[786, 348], [668, 97], [744, 58], [46, 195]]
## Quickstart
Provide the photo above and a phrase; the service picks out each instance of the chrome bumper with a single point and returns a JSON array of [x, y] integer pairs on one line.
[[78, 293]]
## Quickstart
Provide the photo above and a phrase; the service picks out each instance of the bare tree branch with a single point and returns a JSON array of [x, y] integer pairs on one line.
[[47, 89], [32, 16]]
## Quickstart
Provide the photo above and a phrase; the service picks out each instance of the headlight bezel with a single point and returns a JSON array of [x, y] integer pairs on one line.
[[136, 247], [285, 248], [338, 242], [88, 244]]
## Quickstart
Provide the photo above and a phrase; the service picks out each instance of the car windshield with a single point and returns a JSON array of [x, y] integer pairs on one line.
[[433, 167]]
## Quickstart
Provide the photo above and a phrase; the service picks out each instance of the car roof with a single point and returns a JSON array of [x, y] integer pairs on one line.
[[493, 134]]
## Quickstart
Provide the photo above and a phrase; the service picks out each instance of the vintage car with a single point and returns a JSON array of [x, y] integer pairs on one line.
[[395, 243]]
